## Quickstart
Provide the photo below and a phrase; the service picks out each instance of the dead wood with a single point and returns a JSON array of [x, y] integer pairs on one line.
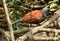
[[9, 9], [8, 20], [25, 29], [58, 22], [41, 29], [45, 38], [5, 34]]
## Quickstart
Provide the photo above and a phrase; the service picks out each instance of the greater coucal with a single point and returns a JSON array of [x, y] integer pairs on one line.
[[35, 16]]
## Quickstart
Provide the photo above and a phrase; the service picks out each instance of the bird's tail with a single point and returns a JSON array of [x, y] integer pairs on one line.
[[19, 20]]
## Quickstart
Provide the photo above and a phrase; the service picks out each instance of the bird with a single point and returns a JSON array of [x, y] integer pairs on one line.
[[34, 16]]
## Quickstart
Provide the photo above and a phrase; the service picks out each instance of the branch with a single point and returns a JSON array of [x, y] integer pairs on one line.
[[2, 31], [25, 29], [5, 34], [8, 20], [42, 29], [58, 21], [45, 38]]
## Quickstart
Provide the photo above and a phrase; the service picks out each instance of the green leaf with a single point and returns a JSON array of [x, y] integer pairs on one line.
[[53, 7], [17, 26]]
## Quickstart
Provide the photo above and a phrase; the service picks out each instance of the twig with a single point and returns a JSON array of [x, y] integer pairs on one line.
[[42, 29], [39, 27], [25, 29], [58, 21], [2, 31], [49, 30], [8, 8], [8, 20], [5, 34], [45, 38], [37, 6]]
